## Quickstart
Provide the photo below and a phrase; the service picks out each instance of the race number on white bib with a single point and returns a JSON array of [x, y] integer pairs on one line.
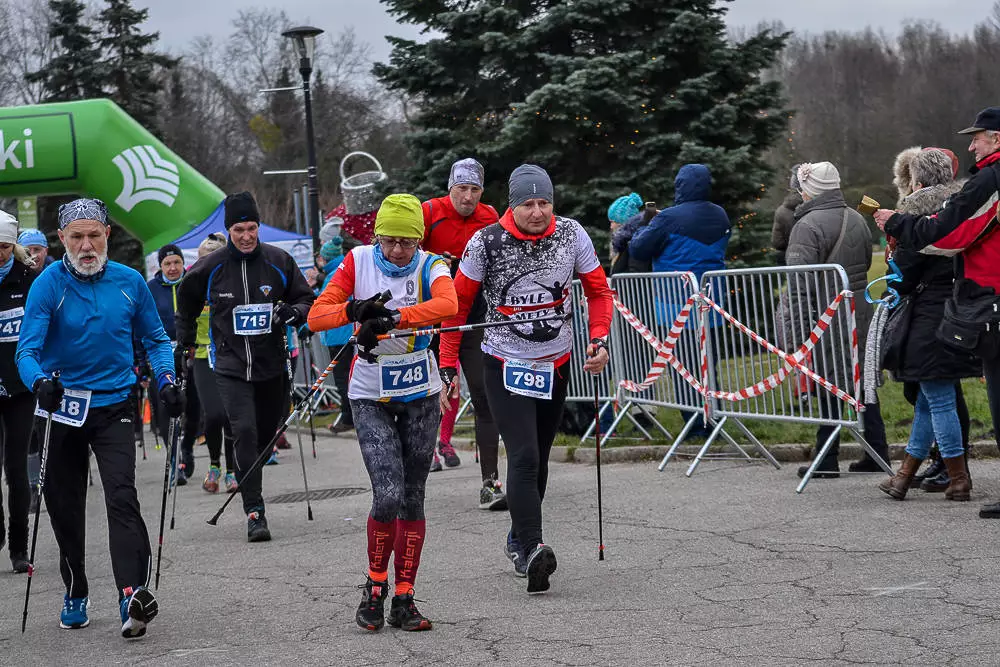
[[10, 324], [74, 408], [403, 374], [252, 319], [528, 378]]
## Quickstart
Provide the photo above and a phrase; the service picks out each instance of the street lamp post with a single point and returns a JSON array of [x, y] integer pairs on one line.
[[304, 38]]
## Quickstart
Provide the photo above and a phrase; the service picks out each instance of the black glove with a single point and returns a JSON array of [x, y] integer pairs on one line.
[[367, 309], [183, 359], [287, 315], [172, 398], [49, 393], [367, 337], [448, 376]]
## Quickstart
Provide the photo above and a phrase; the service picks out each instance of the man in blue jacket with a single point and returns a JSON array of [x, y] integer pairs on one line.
[[692, 235], [80, 319]]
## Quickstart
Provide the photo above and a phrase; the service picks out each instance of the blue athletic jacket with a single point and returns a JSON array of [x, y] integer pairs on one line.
[[691, 235], [339, 335], [85, 331], [165, 297]]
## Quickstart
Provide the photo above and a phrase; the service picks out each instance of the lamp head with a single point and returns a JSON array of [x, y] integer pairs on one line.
[[304, 39]]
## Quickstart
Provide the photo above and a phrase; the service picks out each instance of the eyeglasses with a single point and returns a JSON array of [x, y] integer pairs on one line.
[[389, 244]]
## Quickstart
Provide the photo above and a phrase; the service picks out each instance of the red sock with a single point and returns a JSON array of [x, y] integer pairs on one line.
[[448, 422], [380, 540], [409, 543]]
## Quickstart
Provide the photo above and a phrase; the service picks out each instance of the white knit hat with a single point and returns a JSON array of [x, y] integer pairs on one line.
[[8, 228], [818, 177]]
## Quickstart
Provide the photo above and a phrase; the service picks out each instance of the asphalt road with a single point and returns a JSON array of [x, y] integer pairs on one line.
[[729, 567]]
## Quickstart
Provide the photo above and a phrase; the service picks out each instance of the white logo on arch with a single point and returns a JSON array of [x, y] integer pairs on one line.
[[147, 177]]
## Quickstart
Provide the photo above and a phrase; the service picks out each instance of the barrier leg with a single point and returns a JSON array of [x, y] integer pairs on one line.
[[817, 459], [638, 426], [463, 409], [871, 452], [756, 443], [621, 415], [646, 412], [735, 445], [590, 428], [677, 443], [704, 449]]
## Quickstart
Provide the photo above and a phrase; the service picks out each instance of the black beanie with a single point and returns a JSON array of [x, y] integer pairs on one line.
[[240, 207], [167, 251]]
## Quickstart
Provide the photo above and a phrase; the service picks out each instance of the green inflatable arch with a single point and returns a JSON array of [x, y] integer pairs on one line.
[[94, 149]]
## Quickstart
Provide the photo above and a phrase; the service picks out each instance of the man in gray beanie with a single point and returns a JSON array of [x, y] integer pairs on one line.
[[449, 223], [523, 267]]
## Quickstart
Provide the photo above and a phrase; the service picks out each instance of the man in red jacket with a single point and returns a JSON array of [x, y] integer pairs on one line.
[[449, 223]]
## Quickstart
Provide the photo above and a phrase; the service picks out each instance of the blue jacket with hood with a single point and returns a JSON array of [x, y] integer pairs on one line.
[[691, 235]]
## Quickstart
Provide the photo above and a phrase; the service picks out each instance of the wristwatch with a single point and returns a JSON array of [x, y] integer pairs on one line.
[[600, 342]]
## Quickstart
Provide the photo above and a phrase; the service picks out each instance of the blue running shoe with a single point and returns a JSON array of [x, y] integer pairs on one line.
[[138, 608], [273, 461], [74, 613], [516, 555]]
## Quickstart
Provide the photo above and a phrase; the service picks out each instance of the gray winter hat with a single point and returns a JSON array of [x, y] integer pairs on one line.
[[529, 181], [466, 172]]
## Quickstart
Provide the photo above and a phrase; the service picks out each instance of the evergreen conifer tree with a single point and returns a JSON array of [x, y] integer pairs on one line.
[[610, 97], [76, 72]]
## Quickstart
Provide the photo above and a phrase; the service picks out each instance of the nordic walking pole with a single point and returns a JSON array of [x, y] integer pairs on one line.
[[142, 434], [38, 512], [163, 507], [470, 327], [306, 366], [155, 423], [264, 453], [298, 430], [175, 447], [597, 431]]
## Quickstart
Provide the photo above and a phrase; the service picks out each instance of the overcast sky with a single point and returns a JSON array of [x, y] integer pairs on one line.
[[179, 21]]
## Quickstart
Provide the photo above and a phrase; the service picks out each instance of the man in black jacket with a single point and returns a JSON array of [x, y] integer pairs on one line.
[[254, 291]]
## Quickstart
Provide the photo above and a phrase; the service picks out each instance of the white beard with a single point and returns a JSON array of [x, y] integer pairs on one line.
[[74, 260]]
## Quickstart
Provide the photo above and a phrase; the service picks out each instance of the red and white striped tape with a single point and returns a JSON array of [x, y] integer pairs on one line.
[[665, 352]]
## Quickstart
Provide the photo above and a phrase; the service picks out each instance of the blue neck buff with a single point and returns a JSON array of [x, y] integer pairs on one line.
[[5, 269], [390, 269], [79, 276], [168, 281]]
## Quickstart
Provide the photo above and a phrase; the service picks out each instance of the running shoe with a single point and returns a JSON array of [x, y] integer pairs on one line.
[[257, 530], [137, 608], [282, 443], [341, 428], [515, 553], [273, 461], [19, 562], [74, 613], [436, 463], [450, 457], [403, 614], [230, 481], [491, 497], [211, 483], [371, 611], [541, 564], [182, 479]]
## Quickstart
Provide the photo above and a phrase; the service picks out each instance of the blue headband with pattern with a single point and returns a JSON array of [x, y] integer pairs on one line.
[[83, 209]]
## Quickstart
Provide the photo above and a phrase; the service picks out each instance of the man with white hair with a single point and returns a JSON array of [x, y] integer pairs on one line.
[[966, 228], [80, 320]]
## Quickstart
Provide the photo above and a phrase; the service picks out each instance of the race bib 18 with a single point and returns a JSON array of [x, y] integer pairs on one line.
[[10, 324], [74, 408], [252, 319], [404, 374], [528, 378]]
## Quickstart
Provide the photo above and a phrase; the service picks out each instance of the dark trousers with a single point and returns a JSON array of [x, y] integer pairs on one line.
[[528, 426], [108, 432], [991, 371], [255, 411], [217, 430], [16, 414], [341, 380], [470, 356]]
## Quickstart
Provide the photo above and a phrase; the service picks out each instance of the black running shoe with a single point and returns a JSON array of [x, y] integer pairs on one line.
[[403, 614], [19, 562], [541, 564], [138, 608], [516, 555], [371, 611], [257, 530]]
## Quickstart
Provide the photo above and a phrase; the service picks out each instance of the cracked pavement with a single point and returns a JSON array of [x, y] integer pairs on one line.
[[729, 567]]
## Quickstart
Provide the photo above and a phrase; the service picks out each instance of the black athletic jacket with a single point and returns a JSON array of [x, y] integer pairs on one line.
[[13, 294], [226, 279]]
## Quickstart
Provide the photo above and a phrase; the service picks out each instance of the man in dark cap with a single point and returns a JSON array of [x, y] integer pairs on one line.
[[164, 287], [254, 290], [965, 227]]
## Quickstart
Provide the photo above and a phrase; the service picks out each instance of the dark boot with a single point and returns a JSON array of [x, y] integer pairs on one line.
[[867, 464], [938, 483], [828, 468], [934, 468], [897, 485], [960, 484]]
